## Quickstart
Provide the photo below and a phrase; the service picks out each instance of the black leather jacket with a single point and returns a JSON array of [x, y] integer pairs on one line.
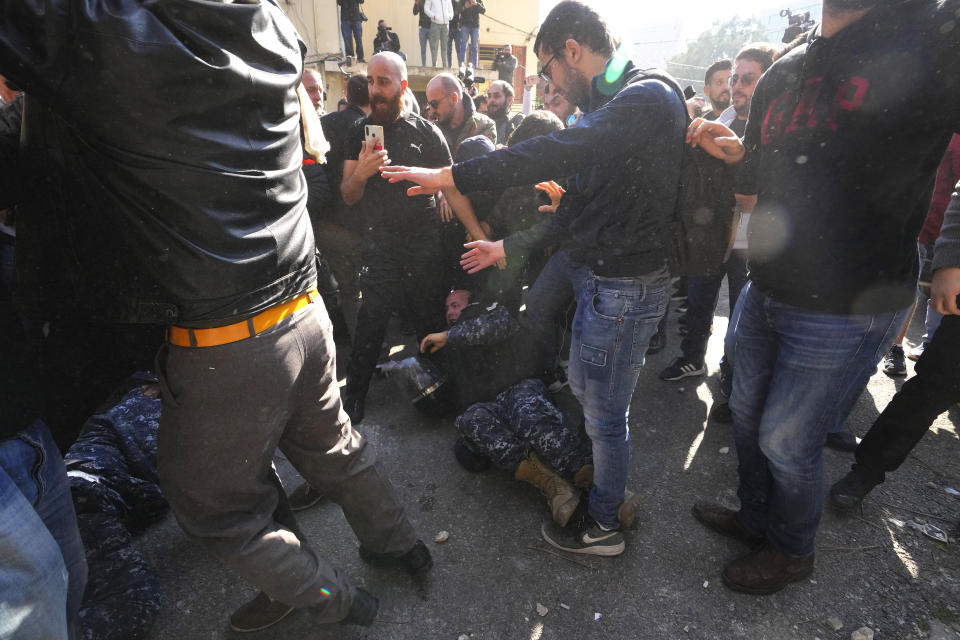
[[162, 139]]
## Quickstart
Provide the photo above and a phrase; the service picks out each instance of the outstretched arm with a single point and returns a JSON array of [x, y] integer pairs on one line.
[[716, 139], [481, 254], [428, 180]]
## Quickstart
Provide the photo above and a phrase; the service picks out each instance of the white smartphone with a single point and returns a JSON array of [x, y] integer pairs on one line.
[[374, 136]]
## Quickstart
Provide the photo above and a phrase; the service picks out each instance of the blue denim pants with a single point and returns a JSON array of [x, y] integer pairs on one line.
[[793, 372], [473, 50], [352, 31], [424, 36], [612, 327], [43, 569]]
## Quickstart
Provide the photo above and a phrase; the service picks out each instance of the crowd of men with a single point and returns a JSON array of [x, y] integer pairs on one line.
[[186, 225]]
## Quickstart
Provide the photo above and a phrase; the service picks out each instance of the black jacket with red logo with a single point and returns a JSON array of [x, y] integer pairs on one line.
[[843, 142]]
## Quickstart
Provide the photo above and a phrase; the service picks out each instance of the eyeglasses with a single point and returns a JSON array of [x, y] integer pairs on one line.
[[746, 79], [433, 104], [544, 72]]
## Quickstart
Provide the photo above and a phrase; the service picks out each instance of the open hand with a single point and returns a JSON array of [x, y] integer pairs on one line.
[[481, 255], [428, 180], [555, 191]]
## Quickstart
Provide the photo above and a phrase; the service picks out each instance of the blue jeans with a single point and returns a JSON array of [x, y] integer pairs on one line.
[[473, 51], [352, 31], [43, 569], [612, 327], [793, 371], [458, 39], [424, 36]]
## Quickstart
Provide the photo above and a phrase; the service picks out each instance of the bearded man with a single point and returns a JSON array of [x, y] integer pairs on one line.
[[401, 248]]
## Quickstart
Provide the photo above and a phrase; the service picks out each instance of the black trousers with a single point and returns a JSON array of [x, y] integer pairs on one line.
[[412, 285], [934, 389]]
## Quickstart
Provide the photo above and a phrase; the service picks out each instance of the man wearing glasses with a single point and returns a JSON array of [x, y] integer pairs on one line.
[[451, 107], [622, 160]]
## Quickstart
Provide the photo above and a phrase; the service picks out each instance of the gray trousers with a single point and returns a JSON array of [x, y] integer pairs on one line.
[[226, 409], [439, 33]]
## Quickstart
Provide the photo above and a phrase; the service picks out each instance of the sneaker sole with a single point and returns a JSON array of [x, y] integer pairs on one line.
[[685, 374], [597, 550], [899, 373]]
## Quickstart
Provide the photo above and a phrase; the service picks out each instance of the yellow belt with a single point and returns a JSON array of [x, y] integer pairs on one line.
[[215, 336]]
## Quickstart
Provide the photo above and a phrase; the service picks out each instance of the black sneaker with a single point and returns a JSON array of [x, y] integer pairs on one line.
[[363, 609], [416, 561], [258, 614], [682, 368], [304, 497], [894, 363], [589, 538]]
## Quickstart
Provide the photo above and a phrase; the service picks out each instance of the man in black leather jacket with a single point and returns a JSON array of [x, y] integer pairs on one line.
[[162, 141]]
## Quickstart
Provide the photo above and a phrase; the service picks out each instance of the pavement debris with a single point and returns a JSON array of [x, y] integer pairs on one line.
[[541, 610], [834, 623], [597, 616], [863, 633], [724, 450], [442, 536], [929, 530], [565, 606]]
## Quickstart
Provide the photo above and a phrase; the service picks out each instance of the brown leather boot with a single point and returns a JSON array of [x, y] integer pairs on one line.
[[562, 497], [764, 571]]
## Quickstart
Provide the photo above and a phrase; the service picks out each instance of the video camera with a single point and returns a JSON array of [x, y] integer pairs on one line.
[[465, 73], [796, 24]]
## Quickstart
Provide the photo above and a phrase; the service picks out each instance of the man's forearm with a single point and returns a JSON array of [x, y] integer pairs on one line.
[[463, 209], [352, 188]]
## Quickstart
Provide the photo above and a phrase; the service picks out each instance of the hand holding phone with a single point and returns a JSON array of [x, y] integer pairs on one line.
[[373, 134]]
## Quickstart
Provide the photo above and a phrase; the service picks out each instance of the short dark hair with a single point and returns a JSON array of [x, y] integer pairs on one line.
[[357, 92], [480, 99], [719, 65], [536, 123], [505, 86], [572, 19], [760, 52]]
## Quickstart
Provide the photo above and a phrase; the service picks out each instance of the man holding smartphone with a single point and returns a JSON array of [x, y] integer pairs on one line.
[[401, 248]]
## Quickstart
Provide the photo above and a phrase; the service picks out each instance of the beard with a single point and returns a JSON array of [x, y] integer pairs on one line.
[[577, 91], [385, 110], [497, 112], [741, 107]]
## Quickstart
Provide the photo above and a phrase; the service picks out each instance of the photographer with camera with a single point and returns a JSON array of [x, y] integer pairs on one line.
[[386, 40], [505, 63]]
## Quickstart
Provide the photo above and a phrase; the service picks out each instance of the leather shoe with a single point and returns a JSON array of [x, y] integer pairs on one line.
[[363, 609], [724, 521], [764, 571], [259, 613], [842, 441], [304, 497], [851, 489], [354, 406], [720, 412], [416, 561]]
